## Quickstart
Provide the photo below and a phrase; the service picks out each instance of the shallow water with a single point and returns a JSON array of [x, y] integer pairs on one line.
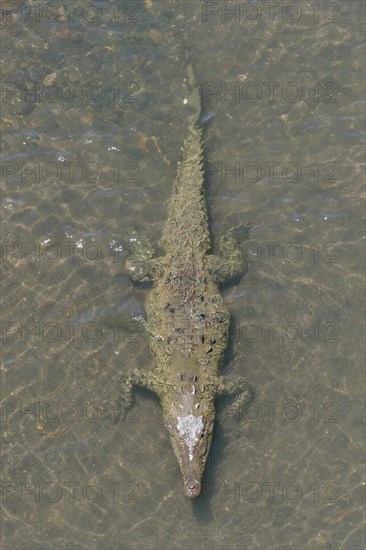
[[93, 121]]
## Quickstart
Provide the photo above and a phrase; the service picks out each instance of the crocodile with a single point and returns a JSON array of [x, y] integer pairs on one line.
[[186, 315]]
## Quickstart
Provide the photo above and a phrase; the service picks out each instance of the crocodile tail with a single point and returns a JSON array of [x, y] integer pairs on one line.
[[197, 119], [194, 99]]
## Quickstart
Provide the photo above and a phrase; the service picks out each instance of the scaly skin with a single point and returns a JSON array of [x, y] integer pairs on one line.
[[187, 318]]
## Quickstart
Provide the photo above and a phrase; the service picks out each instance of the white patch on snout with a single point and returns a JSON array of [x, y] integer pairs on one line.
[[190, 428]]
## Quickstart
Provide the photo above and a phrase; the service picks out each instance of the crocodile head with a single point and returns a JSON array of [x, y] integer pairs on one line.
[[189, 414]]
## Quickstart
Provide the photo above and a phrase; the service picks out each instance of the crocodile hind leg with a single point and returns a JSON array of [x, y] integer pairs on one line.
[[229, 263], [141, 265]]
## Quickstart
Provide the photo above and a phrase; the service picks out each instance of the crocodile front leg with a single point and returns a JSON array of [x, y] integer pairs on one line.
[[238, 387], [136, 377]]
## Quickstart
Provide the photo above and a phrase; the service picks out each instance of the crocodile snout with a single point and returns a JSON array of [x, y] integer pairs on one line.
[[192, 487]]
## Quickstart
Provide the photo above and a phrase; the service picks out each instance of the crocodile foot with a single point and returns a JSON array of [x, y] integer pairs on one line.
[[136, 377], [239, 388], [229, 263], [141, 265]]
